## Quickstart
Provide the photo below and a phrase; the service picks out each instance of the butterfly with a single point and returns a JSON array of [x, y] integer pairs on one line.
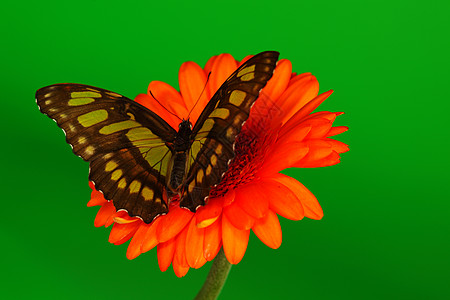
[[136, 159]]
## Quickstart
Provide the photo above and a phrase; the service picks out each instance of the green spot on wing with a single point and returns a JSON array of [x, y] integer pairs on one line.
[[80, 101], [112, 128], [93, 117], [85, 94]]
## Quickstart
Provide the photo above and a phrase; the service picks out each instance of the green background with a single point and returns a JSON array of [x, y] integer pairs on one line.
[[385, 234]]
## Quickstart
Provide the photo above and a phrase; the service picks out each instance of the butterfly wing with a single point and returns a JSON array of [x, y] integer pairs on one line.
[[215, 131], [124, 142]]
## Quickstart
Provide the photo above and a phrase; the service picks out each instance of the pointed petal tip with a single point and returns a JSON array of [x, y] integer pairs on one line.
[[337, 130], [180, 271], [325, 95], [132, 253]]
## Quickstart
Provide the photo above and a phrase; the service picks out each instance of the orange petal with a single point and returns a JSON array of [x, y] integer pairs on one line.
[[207, 214], [150, 239], [192, 81], [245, 59], [97, 197], [295, 97], [338, 146], [172, 223], [268, 230], [179, 263], [318, 150], [180, 271], [134, 248], [319, 127], [121, 214], [283, 157], [165, 252], [96, 200], [104, 213], [224, 65], [212, 240], [337, 130], [298, 77], [282, 200], [253, 199], [262, 114], [120, 233], [121, 220], [308, 108], [298, 134], [145, 100], [194, 245], [235, 241], [209, 64], [309, 202], [330, 160], [150, 102], [280, 79], [322, 114], [238, 217], [169, 98]]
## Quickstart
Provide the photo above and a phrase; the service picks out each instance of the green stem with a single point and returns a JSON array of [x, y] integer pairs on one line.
[[216, 278]]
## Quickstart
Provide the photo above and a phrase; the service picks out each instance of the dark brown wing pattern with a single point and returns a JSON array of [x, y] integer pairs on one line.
[[124, 142], [215, 131]]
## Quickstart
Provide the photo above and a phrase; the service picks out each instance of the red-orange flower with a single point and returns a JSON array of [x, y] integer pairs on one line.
[[281, 132]]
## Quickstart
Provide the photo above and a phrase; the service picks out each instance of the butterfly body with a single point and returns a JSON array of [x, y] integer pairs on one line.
[[136, 158], [179, 148]]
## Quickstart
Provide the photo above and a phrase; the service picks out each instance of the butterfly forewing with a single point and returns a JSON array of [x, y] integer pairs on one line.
[[124, 142], [215, 131]]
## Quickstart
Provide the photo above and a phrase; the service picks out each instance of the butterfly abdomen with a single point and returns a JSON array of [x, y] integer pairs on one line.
[[178, 172]]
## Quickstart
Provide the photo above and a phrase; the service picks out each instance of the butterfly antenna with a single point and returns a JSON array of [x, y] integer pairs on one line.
[[164, 106], [207, 79]]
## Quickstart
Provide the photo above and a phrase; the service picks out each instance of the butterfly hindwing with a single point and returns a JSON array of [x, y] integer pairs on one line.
[[128, 161], [215, 131]]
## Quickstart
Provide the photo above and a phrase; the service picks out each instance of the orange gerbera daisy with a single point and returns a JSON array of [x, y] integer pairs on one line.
[[281, 132]]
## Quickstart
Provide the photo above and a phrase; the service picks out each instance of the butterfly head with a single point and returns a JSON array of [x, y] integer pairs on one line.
[[185, 127]]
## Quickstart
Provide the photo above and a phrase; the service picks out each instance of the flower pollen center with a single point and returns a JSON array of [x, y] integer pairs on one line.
[[250, 149]]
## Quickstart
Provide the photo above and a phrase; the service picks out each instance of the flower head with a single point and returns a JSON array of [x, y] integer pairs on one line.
[[281, 132]]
